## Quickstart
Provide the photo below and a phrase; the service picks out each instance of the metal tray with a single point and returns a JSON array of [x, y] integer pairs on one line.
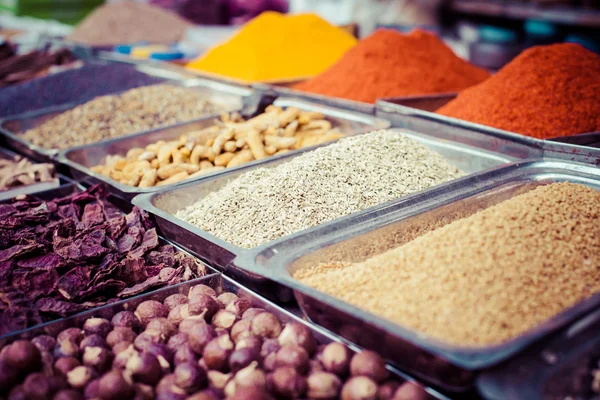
[[358, 238], [221, 284], [219, 253], [234, 97], [71, 188], [366, 108], [410, 108], [33, 188], [81, 159], [552, 369]]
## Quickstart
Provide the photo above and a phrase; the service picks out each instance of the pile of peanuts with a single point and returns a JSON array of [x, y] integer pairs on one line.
[[229, 143]]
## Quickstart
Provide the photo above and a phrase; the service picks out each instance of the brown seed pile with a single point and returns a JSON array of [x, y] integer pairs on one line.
[[112, 116], [487, 278]]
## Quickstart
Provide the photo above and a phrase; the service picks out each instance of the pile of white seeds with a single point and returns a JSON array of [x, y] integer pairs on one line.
[[348, 176]]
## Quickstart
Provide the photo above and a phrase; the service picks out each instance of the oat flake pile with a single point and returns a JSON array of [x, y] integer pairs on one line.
[[348, 176], [484, 279]]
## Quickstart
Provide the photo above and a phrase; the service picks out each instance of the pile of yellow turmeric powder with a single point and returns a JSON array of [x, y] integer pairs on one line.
[[276, 47]]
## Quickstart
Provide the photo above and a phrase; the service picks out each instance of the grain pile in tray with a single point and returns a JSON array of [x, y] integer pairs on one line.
[[350, 175], [229, 143], [112, 116], [484, 279]]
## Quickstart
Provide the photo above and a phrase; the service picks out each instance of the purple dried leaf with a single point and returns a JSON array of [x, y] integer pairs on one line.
[[130, 240], [58, 307], [73, 282], [44, 261], [18, 251], [158, 257], [149, 242], [92, 215], [35, 282]]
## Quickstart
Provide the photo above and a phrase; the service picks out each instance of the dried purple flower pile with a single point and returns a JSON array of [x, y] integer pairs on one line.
[[78, 252]]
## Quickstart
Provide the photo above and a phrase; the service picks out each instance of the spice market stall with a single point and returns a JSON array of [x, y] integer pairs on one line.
[[398, 224]]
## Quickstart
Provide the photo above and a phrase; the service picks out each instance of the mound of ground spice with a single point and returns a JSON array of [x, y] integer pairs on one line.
[[547, 91], [389, 63], [484, 279]]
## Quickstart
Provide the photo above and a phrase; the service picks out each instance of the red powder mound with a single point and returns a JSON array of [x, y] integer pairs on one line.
[[389, 63], [547, 91]]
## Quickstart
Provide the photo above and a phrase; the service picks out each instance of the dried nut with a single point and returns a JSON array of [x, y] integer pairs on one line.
[[92, 390], [187, 324], [241, 329], [242, 358], [165, 327], [125, 319], [176, 315], [177, 340], [174, 300], [144, 392], [226, 298], [114, 386], [287, 383], [266, 325], [387, 389], [166, 383], [185, 354], [201, 289], [216, 353], [323, 385], [64, 365], [292, 356], [66, 348], [190, 377], [68, 394], [149, 310], [174, 179], [250, 342], [223, 159], [370, 364], [410, 391], [144, 368], [298, 334], [98, 358], [359, 388], [269, 346], [218, 380], [80, 376], [92, 341], [238, 306], [269, 362], [250, 313], [121, 346], [97, 326], [148, 179], [44, 343], [23, 356], [336, 359], [224, 319], [163, 354], [147, 338], [120, 334], [204, 395], [38, 386], [206, 165], [121, 358], [199, 336], [244, 379], [202, 304]]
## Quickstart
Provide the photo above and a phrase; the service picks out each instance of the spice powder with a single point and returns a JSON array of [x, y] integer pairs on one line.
[[485, 279]]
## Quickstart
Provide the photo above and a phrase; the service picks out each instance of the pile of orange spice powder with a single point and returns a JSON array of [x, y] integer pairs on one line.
[[545, 92], [390, 64]]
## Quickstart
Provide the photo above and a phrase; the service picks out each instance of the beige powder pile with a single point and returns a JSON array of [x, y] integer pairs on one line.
[[484, 279], [126, 22]]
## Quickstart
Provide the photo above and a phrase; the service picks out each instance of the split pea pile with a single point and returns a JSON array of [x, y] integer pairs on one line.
[[485, 279], [348, 176], [113, 116], [229, 143]]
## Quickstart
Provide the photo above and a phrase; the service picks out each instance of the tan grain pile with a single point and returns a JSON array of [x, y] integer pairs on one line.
[[484, 279], [112, 116], [127, 22]]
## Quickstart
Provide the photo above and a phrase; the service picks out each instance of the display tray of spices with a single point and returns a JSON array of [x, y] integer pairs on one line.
[[43, 133], [472, 273], [563, 108], [206, 339], [226, 216], [566, 365], [166, 156], [65, 251], [19, 175]]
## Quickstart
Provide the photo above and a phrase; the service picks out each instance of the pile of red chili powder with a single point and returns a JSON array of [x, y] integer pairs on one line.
[[388, 64], [547, 91]]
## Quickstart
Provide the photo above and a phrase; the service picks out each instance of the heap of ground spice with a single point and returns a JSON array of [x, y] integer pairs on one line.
[[484, 279], [277, 47], [389, 64], [547, 91]]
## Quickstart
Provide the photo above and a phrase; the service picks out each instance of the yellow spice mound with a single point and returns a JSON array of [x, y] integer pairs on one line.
[[275, 47], [484, 279]]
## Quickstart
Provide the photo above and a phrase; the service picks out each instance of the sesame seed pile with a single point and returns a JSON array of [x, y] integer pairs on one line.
[[348, 176], [484, 279]]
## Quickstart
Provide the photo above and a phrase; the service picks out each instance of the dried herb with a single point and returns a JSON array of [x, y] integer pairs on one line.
[[73, 253]]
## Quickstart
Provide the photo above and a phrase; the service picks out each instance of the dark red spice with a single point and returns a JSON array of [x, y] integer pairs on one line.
[[392, 64], [545, 92]]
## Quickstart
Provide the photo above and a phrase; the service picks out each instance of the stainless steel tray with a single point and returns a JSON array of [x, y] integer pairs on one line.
[[219, 253], [220, 284], [81, 159], [366, 108], [234, 97], [356, 239], [552, 369], [403, 110]]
